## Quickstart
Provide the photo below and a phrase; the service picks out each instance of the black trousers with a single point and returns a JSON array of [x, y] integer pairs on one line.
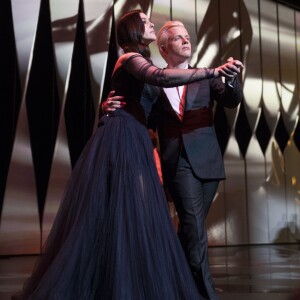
[[193, 197]]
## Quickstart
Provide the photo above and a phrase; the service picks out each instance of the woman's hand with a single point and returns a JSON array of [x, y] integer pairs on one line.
[[112, 103]]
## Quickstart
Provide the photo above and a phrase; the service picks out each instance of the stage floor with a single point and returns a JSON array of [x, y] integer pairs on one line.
[[240, 273]]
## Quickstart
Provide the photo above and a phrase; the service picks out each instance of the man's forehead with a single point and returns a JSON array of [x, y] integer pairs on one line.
[[177, 30]]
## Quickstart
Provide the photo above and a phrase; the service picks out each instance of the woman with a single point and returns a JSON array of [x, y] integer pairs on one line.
[[113, 237]]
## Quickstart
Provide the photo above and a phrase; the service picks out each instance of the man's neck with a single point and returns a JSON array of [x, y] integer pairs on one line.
[[182, 65]]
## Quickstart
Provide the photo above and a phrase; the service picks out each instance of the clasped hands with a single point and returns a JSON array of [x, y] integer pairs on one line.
[[229, 70]]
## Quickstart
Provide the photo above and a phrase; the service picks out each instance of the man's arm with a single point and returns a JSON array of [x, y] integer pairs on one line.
[[230, 93]]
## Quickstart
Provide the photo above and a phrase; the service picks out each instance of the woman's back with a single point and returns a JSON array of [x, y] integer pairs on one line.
[[131, 88]]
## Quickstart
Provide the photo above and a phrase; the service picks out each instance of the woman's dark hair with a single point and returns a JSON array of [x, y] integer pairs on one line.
[[130, 31]]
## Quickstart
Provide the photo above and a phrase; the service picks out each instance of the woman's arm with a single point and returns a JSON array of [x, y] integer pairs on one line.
[[139, 67]]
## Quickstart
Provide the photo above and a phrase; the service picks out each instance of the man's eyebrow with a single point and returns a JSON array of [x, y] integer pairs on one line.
[[180, 35]]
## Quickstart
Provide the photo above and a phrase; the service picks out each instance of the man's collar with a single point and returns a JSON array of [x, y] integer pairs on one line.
[[184, 67]]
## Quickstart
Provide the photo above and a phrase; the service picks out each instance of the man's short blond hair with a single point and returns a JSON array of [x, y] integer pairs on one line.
[[162, 36]]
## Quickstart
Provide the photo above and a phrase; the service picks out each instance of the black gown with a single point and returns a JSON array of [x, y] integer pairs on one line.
[[113, 238]]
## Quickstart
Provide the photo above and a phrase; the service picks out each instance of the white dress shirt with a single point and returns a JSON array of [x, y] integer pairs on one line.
[[174, 95]]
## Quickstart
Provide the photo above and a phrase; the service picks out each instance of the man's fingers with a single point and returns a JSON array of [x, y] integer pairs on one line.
[[117, 98], [229, 70], [239, 64], [235, 62], [111, 93]]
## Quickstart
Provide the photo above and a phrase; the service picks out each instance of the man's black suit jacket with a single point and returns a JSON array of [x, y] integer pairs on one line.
[[195, 132]]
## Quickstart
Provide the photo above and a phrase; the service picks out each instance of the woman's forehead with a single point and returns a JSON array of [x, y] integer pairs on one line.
[[143, 16]]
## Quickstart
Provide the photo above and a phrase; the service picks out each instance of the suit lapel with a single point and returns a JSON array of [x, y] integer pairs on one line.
[[191, 93], [167, 105]]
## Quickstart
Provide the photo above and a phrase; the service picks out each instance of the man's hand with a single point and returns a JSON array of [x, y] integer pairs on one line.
[[112, 103], [230, 69]]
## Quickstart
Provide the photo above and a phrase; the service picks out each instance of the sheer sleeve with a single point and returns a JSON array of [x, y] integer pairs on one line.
[[140, 68]]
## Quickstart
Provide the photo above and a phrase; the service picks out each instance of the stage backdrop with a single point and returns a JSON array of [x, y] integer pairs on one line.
[[56, 60]]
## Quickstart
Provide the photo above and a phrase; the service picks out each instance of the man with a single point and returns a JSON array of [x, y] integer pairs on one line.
[[191, 159]]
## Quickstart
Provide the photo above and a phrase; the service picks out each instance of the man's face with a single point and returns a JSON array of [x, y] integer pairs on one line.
[[178, 45]]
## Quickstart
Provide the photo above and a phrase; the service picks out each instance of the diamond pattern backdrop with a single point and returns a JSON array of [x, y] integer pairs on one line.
[[56, 60]]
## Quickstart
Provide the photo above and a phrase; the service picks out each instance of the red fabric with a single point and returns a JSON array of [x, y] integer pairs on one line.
[[182, 102]]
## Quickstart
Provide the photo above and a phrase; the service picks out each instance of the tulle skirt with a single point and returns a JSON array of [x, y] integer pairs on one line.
[[113, 238]]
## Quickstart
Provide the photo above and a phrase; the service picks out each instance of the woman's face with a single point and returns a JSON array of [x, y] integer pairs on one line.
[[149, 34]]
